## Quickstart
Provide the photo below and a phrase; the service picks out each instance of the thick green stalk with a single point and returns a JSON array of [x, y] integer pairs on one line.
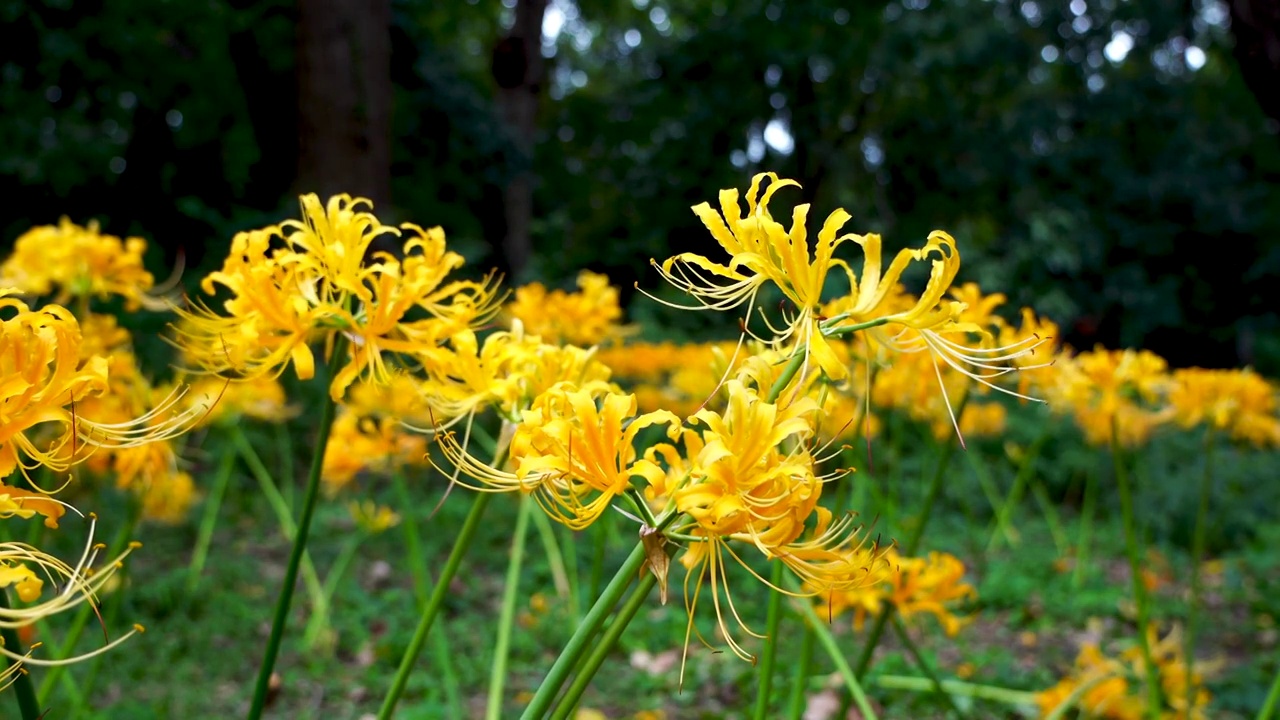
[[571, 569], [961, 689], [764, 683], [24, 691], [1087, 510], [612, 634], [422, 591], [1273, 699], [1026, 466], [507, 616], [915, 654], [460, 547], [800, 682], [912, 544], [601, 545], [577, 645], [209, 520], [555, 558], [319, 620], [1198, 542], [280, 619], [1060, 540], [1135, 569], [284, 516], [837, 656]]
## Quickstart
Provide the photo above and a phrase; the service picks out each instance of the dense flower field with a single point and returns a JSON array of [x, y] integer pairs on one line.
[[731, 469]]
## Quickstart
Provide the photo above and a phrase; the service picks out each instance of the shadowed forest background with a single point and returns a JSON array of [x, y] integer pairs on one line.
[[1114, 164]]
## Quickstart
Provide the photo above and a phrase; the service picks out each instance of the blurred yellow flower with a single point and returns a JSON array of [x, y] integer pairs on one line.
[[587, 317], [1103, 388], [372, 517], [70, 261], [1240, 402]]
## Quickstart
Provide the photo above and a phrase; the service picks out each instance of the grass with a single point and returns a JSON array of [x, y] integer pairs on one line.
[[200, 653]]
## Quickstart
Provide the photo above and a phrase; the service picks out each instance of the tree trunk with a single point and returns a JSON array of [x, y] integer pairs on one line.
[[1256, 26], [519, 70], [344, 98]]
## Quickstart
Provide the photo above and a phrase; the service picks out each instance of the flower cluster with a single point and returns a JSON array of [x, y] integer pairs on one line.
[[1111, 688], [1134, 392], [930, 585], [307, 281], [741, 468], [70, 261], [588, 317], [68, 397]]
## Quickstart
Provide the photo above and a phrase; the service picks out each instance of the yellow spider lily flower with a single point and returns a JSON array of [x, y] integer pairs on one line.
[[761, 250], [79, 262], [46, 384], [587, 317], [573, 455], [308, 280]]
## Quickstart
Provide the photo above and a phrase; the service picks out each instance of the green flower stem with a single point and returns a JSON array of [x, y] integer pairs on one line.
[[769, 655], [1060, 540], [577, 645], [988, 486], [422, 591], [571, 568], [920, 662], [86, 612], [280, 619], [800, 681], [788, 374], [851, 329], [612, 634], [284, 445], [837, 656], [962, 689], [602, 528], [1198, 542], [555, 558], [1273, 699], [23, 690], [912, 544], [1087, 509], [1026, 467], [284, 516], [460, 547], [507, 616], [209, 520], [1135, 569], [319, 620]]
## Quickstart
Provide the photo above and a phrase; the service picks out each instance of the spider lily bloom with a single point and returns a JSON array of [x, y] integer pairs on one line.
[[587, 317], [45, 376], [1124, 388], [761, 250], [1240, 402], [79, 262], [305, 281], [930, 585], [740, 486], [1111, 687], [573, 455]]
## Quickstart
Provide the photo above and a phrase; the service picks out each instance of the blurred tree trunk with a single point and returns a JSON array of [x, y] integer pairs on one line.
[[344, 98], [519, 70], [1256, 26]]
